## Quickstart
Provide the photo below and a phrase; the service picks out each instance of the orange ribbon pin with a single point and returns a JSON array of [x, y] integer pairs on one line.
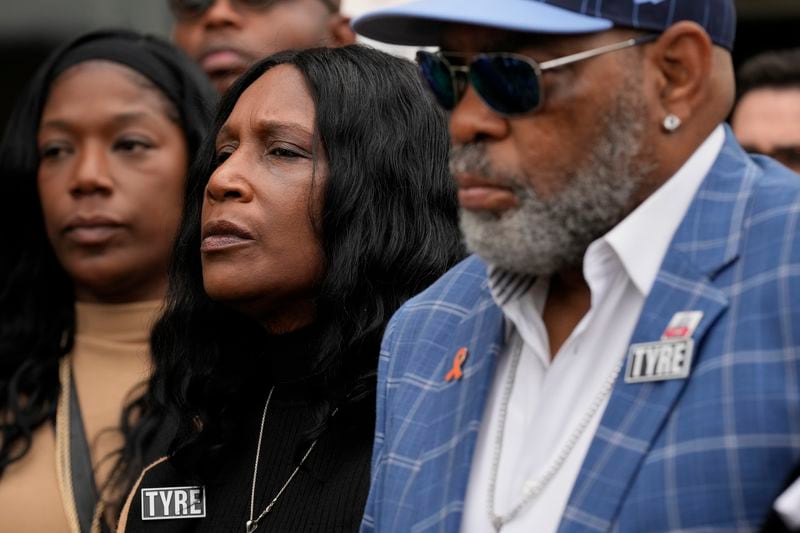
[[458, 361]]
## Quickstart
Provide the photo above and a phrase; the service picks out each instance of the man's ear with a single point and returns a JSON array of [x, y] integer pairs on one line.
[[340, 30], [682, 57]]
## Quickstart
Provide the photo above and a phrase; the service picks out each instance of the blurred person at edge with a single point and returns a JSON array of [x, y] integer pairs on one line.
[[94, 161], [621, 354], [321, 202], [225, 37], [766, 119]]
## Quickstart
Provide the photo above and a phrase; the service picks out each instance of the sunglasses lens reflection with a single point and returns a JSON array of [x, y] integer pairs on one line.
[[507, 84], [437, 74], [184, 9], [191, 9]]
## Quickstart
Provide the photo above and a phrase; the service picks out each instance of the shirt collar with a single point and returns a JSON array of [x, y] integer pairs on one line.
[[507, 286], [642, 238]]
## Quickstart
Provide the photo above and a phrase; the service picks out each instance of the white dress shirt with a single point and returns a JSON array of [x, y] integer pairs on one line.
[[549, 398], [788, 506]]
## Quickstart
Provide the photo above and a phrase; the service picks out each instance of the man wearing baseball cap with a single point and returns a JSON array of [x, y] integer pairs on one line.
[[622, 351]]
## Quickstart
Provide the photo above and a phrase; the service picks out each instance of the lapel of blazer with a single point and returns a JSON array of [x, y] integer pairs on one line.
[[706, 242], [453, 412], [484, 333]]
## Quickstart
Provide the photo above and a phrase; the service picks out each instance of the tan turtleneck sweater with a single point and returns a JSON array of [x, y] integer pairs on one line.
[[110, 358]]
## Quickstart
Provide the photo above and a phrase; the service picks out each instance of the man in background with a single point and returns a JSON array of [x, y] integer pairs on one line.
[[767, 115], [227, 36], [621, 352]]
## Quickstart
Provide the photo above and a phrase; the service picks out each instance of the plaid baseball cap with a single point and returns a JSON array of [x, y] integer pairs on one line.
[[421, 23]]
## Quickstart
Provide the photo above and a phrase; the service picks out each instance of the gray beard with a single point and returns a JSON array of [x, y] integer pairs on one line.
[[542, 237]]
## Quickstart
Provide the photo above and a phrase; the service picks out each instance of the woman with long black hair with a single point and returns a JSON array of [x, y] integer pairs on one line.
[[93, 166], [321, 203]]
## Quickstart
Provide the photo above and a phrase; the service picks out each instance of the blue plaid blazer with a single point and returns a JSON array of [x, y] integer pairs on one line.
[[710, 452]]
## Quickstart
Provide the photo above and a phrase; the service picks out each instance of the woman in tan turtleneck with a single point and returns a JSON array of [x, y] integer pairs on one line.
[[109, 359], [93, 167]]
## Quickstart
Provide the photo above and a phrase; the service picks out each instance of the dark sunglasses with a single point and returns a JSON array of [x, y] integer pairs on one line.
[[192, 9], [510, 84]]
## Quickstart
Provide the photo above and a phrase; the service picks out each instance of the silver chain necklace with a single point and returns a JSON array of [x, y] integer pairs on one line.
[[252, 524], [534, 488]]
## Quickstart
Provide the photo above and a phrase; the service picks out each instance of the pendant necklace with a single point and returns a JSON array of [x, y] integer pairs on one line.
[[252, 524], [534, 488]]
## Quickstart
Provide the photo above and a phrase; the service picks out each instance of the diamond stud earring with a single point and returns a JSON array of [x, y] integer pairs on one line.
[[671, 123]]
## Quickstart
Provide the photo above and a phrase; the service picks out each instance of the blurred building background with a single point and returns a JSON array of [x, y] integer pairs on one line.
[[29, 29]]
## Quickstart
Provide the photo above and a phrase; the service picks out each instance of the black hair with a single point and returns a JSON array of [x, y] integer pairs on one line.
[[776, 69], [37, 321], [388, 228]]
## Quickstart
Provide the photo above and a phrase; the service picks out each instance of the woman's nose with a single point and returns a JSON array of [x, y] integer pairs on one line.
[[229, 182], [92, 173]]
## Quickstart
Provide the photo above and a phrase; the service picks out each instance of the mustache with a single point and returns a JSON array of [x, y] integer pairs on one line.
[[473, 158], [470, 159]]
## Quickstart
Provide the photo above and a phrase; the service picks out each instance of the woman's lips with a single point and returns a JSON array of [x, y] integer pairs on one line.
[[223, 234], [222, 242], [92, 236], [477, 194], [92, 230]]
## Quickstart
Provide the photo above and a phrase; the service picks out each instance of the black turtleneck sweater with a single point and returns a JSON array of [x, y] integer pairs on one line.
[[329, 492]]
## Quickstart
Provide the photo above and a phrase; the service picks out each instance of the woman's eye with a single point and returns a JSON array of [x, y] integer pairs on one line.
[[285, 153], [221, 156], [53, 151], [132, 145]]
